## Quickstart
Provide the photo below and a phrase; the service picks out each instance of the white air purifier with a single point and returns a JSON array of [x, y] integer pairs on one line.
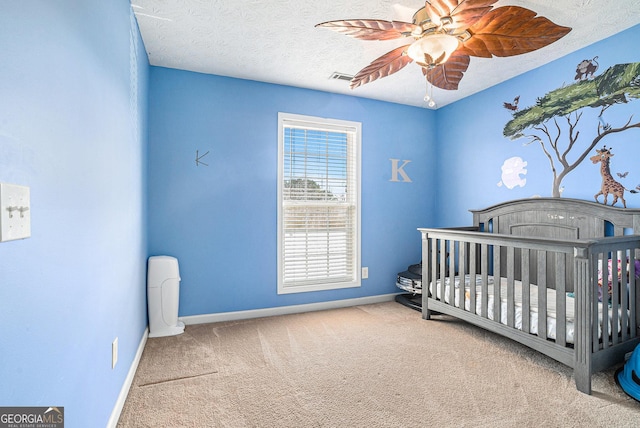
[[163, 293]]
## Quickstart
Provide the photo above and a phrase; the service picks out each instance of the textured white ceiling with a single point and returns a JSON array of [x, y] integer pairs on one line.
[[275, 41]]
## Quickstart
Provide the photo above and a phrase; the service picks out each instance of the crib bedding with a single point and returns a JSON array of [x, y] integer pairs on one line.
[[533, 303]]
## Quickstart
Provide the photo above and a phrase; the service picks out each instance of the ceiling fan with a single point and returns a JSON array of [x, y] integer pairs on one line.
[[446, 33]]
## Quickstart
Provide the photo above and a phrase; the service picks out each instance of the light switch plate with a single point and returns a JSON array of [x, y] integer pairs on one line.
[[15, 212]]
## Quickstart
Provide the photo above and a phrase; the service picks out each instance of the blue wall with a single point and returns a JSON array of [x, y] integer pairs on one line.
[[73, 129], [220, 220], [472, 147], [75, 83]]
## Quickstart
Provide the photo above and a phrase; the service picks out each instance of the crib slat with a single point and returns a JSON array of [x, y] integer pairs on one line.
[[497, 270], [443, 269], [511, 306], [462, 257], [434, 267], [526, 291], [616, 296], [484, 266], [561, 299], [624, 294], [606, 277], [632, 295], [472, 277], [542, 293], [453, 245]]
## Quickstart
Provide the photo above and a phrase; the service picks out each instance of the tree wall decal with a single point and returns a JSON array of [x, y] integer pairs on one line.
[[553, 122]]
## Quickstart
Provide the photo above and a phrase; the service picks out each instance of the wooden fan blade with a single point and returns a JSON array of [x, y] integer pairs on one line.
[[448, 75], [464, 13], [469, 12], [438, 8], [384, 66], [509, 31], [370, 29]]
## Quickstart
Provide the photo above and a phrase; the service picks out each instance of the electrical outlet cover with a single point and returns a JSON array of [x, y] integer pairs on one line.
[[15, 212]]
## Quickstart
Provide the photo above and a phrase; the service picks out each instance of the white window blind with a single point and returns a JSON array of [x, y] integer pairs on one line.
[[319, 210]]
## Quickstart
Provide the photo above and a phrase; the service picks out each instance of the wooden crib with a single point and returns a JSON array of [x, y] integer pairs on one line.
[[557, 275]]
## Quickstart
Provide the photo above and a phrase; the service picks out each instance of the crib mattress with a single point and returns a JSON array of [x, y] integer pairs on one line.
[[533, 304]]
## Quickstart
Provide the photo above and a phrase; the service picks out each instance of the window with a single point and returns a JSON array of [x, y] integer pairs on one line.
[[318, 204]]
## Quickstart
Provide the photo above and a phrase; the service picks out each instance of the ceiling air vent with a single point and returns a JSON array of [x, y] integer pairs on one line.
[[341, 76]]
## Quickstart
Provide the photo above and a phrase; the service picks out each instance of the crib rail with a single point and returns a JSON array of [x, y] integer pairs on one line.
[[614, 272], [588, 288]]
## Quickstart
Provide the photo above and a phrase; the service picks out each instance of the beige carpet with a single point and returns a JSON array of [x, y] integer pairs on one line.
[[367, 366]]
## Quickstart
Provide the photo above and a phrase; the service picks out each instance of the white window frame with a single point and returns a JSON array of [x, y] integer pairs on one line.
[[353, 278]]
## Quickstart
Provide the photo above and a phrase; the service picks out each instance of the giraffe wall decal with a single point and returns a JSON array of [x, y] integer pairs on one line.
[[609, 184]]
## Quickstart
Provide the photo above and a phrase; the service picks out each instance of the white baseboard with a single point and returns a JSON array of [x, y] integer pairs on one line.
[[285, 310], [117, 410]]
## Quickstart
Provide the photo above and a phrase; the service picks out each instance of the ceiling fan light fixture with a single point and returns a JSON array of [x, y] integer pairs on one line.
[[433, 49], [421, 16], [464, 36], [445, 34], [428, 97], [446, 20]]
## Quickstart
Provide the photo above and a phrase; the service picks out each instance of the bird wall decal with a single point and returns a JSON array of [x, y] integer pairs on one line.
[[514, 106]]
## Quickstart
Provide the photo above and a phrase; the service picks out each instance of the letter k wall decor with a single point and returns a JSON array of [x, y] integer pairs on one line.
[[398, 174]]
